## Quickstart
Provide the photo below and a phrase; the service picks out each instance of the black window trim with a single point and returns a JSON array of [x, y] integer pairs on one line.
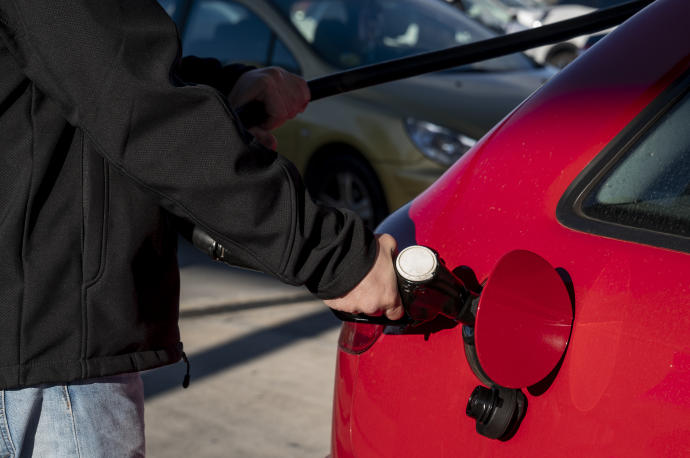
[[569, 210]]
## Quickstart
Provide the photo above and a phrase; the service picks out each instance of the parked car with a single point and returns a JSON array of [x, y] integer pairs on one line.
[[591, 174], [591, 3], [371, 150], [491, 13], [509, 16]]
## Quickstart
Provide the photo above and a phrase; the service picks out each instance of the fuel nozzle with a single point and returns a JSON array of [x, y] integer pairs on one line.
[[427, 289]]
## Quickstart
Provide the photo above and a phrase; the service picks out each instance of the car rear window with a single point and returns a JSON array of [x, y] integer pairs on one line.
[[638, 188], [649, 187]]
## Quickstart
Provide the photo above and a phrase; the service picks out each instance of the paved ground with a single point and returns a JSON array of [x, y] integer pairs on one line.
[[262, 360]]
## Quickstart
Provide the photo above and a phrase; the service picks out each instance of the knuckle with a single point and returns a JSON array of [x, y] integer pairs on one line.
[[274, 73], [370, 309], [388, 298], [388, 240], [395, 313]]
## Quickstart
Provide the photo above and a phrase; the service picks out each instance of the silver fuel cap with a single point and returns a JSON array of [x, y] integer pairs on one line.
[[416, 264]]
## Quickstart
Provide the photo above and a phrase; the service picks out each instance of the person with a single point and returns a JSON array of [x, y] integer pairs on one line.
[[107, 138]]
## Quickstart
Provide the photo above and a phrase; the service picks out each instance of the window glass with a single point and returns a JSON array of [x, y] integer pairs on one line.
[[227, 31], [171, 7], [350, 33], [282, 57], [492, 13], [231, 33], [524, 3], [649, 187], [591, 3]]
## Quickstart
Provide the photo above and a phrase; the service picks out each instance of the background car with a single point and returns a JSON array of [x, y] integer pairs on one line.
[[590, 3], [510, 16], [492, 13], [370, 150], [592, 175]]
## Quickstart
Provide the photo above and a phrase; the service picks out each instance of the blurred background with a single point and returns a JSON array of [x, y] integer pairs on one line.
[[262, 353]]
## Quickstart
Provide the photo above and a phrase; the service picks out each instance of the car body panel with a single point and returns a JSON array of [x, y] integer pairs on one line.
[[458, 99], [623, 388], [329, 125], [371, 122]]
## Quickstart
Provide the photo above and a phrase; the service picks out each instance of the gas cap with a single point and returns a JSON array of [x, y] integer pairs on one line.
[[523, 320]]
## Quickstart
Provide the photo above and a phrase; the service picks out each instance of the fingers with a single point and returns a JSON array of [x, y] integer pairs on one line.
[[396, 312], [392, 305], [387, 243], [377, 293], [384, 278], [283, 94]]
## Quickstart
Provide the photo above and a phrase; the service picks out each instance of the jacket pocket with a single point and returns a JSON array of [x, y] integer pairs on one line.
[[95, 197]]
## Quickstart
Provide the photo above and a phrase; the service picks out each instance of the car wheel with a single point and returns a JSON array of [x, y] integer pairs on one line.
[[561, 58], [346, 181]]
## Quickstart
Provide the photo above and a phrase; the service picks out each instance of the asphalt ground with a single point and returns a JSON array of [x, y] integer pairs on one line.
[[262, 358]]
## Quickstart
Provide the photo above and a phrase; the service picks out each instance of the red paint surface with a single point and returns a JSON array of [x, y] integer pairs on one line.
[[624, 385]]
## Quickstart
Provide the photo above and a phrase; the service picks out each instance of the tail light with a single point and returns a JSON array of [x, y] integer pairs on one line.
[[356, 338]]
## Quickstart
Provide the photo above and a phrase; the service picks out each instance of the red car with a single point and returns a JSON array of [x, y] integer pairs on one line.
[[588, 179]]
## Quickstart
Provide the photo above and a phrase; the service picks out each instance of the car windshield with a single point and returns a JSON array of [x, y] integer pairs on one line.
[[491, 13], [350, 33], [590, 3], [525, 3]]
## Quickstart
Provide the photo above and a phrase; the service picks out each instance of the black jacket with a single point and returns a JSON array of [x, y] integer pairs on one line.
[[100, 142]]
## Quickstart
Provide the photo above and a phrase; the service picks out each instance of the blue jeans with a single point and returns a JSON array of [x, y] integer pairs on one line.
[[93, 418]]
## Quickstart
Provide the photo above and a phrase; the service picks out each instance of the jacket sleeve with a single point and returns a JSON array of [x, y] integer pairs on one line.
[[209, 71], [108, 65]]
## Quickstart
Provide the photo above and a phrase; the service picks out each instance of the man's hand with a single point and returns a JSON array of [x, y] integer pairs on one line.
[[377, 293], [283, 94]]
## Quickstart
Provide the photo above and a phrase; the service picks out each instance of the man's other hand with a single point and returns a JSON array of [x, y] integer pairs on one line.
[[283, 94], [377, 293]]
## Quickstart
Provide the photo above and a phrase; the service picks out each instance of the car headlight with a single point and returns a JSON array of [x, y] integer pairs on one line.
[[438, 143]]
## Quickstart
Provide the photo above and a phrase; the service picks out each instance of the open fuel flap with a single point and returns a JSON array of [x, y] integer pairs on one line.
[[516, 327]]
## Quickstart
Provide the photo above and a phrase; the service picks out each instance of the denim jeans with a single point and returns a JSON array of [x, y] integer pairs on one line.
[[93, 418]]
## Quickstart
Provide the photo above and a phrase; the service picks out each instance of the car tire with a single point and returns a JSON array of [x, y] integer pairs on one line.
[[343, 180]]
